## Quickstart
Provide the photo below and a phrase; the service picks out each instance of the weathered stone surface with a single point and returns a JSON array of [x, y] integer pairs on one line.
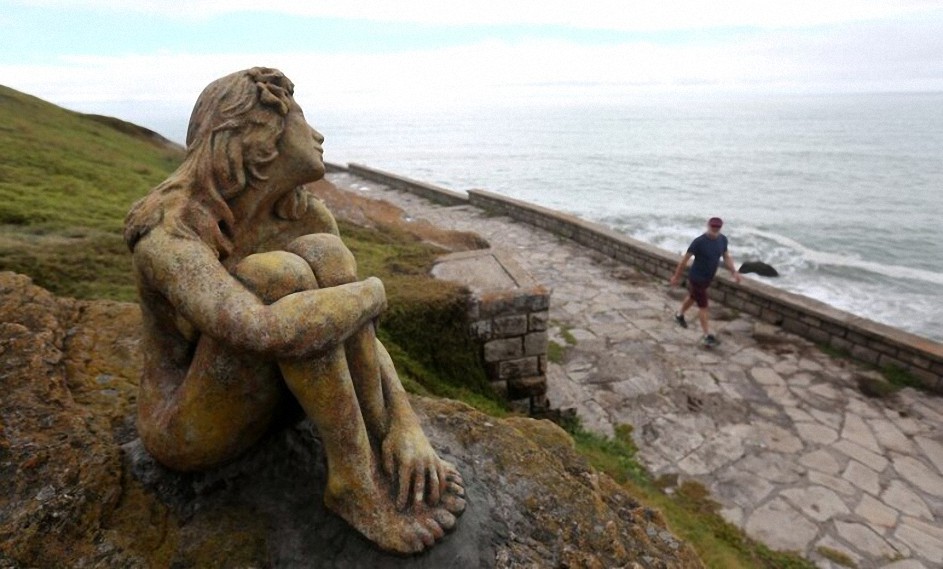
[[864, 539], [876, 512], [857, 431], [922, 537], [816, 502], [905, 564], [537, 321], [862, 477], [839, 485], [768, 521], [76, 499], [873, 461], [815, 433], [919, 474], [820, 460], [901, 498], [933, 450], [503, 348], [535, 344], [514, 325], [890, 436]]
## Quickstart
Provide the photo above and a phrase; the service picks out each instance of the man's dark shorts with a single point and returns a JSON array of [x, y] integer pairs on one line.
[[698, 290]]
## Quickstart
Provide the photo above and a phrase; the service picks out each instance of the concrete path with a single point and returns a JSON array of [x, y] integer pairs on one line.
[[776, 429]]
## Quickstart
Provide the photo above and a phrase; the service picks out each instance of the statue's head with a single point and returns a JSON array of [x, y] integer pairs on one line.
[[236, 125], [245, 128]]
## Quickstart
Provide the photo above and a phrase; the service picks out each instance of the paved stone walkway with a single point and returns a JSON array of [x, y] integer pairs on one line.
[[776, 429]]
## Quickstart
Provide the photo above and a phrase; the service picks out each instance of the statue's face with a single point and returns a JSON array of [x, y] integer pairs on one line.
[[299, 149]]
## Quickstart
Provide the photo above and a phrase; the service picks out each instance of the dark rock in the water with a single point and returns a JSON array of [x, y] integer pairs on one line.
[[759, 268], [78, 489]]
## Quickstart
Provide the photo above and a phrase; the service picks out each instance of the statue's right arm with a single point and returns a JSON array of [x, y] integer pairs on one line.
[[188, 274]]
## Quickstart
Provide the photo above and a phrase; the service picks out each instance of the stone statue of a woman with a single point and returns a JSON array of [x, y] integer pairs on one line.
[[251, 303]]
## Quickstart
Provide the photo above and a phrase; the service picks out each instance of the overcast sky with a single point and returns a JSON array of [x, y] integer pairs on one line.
[[147, 61]]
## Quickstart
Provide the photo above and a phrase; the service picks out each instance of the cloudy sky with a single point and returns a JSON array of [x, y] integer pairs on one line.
[[146, 61]]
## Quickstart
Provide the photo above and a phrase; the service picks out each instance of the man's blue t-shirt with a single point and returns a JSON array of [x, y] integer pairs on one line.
[[707, 253]]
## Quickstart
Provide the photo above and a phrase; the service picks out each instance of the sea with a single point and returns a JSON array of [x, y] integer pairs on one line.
[[841, 193]]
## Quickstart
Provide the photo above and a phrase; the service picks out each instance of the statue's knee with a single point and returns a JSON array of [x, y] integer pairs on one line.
[[275, 274], [331, 260]]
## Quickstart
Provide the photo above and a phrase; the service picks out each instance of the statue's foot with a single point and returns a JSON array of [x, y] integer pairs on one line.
[[452, 496], [368, 506]]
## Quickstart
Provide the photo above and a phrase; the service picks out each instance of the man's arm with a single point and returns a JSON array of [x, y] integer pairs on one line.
[[676, 278], [728, 262]]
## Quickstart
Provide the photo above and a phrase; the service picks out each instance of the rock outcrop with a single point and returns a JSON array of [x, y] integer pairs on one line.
[[758, 267], [79, 490]]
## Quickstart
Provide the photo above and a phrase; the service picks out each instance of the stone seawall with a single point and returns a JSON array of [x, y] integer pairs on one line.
[[862, 339]]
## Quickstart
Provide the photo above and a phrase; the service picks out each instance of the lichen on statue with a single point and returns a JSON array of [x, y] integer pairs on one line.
[[252, 308]]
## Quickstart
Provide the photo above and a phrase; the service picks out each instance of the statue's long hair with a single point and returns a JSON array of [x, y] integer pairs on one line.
[[234, 131]]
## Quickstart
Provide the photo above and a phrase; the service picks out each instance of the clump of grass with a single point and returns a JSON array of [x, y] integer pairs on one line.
[[567, 335], [876, 387], [901, 377], [555, 352], [836, 556]]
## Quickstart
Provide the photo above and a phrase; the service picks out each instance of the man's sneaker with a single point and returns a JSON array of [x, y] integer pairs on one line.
[[710, 340], [679, 318]]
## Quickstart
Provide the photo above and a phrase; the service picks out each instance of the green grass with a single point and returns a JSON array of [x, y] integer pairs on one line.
[[836, 556], [555, 352], [66, 183]]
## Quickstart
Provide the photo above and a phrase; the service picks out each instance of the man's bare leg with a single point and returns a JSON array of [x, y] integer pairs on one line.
[[703, 315]]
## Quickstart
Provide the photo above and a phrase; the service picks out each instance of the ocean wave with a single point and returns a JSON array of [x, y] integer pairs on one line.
[[824, 258]]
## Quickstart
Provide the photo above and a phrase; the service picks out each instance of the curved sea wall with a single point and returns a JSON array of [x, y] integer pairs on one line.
[[865, 340]]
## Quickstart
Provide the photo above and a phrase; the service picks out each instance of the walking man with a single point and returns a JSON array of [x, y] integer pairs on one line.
[[707, 250]]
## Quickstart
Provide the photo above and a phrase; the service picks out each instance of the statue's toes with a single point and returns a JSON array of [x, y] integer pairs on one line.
[[444, 519]]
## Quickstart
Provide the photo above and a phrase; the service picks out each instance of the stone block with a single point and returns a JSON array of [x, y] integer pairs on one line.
[[794, 326], [834, 329], [535, 344], [521, 367], [506, 326], [841, 344], [537, 321], [817, 335], [772, 316], [532, 386], [481, 330], [865, 354], [810, 320], [503, 349]]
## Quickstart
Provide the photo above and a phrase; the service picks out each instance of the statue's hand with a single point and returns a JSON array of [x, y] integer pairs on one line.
[[379, 293], [412, 465]]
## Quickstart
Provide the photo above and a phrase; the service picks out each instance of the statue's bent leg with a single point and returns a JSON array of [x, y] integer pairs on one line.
[[228, 398], [333, 264], [345, 395]]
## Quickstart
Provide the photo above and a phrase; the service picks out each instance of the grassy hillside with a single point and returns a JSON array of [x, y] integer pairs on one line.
[[66, 182]]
